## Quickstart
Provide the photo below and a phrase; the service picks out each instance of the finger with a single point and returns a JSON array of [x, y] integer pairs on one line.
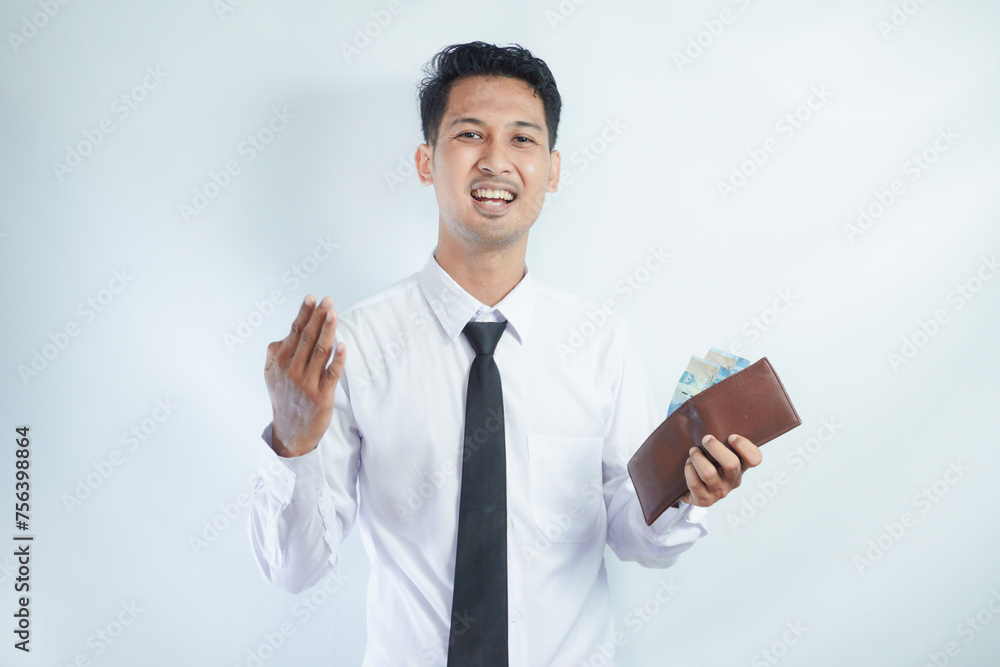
[[309, 336], [748, 452], [291, 341], [704, 468], [272, 352], [697, 491], [321, 350], [335, 369], [729, 465]]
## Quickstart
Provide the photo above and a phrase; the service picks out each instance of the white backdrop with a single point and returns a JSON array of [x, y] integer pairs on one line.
[[176, 177]]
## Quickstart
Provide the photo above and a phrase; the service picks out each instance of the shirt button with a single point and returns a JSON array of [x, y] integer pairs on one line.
[[515, 617]]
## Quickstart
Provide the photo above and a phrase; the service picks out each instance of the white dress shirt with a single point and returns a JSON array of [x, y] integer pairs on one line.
[[574, 411]]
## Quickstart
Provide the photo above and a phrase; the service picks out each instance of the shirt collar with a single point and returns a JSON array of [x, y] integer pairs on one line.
[[454, 307]]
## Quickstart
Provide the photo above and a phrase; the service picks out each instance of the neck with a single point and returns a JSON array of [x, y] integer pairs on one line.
[[487, 273]]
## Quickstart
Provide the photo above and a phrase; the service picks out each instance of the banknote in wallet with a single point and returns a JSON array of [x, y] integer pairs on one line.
[[751, 402]]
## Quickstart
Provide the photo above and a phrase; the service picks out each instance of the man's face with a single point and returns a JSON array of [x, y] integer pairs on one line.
[[493, 136]]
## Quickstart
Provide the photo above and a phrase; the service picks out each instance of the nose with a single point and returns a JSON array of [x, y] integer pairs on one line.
[[494, 158]]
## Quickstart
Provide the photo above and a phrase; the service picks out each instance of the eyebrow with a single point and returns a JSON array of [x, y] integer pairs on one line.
[[476, 121]]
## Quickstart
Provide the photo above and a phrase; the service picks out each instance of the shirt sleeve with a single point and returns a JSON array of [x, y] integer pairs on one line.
[[633, 418], [304, 506]]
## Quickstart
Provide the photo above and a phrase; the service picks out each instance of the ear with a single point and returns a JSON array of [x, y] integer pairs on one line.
[[556, 162], [424, 161]]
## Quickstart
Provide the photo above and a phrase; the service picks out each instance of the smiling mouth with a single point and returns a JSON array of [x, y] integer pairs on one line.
[[493, 197]]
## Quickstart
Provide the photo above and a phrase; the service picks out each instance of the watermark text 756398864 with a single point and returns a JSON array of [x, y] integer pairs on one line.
[[22, 540]]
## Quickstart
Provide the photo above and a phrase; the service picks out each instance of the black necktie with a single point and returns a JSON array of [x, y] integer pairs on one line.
[[479, 605]]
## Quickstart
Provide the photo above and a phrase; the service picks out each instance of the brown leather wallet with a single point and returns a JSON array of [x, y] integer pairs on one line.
[[752, 403]]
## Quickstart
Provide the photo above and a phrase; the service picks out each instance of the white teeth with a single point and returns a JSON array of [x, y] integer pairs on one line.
[[485, 193]]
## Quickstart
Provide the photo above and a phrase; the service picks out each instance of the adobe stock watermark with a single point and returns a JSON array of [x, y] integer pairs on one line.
[[786, 127], [635, 620], [913, 168], [795, 460], [418, 496], [627, 286], [562, 12], [927, 329], [393, 347], [224, 7], [435, 651], [699, 43], [7, 570], [967, 629], [587, 154], [561, 524], [405, 169], [229, 511], [31, 24], [895, 530], [757, 325], [779, 648], [247, 151], [370, 30], [105, 637], [121, 108], [88, 310], [264, 308], [132, 439], [389, 350], [306, 605], [899, 17]]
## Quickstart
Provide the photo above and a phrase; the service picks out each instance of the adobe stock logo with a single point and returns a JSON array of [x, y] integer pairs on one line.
[[122, 107], [753, 502], [249, 149], [698, 44], [587, 154], [88, 309], [913, 168], [900, 16], [968, 629], [928, 329], [104, 468], [628, 286], [897, 529], [636, 620], [779, 648], [363, 35], [30, 27], [786, 127]]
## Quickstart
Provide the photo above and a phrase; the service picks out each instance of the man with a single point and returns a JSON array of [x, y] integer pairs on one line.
[[408, 426]]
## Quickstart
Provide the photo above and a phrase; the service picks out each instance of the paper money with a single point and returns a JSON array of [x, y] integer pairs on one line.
[[728, 363], [699, 375], [703, 373]]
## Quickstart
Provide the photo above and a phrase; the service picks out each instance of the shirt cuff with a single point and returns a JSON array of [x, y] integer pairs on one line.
[[293, 476], [691, 515]]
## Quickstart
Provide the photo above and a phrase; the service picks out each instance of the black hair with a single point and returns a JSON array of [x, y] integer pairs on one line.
[[480, 58]]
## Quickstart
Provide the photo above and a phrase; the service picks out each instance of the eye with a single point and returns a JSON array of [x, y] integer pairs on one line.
[[466, 134], [527, 140]]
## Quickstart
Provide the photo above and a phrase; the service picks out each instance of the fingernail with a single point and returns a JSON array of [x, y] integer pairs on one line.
[[692, 451], [732, 438], [706, 439], [329, 316], [309, 300]]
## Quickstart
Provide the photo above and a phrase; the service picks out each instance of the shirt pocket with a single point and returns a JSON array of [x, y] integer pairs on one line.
[[567, 497]]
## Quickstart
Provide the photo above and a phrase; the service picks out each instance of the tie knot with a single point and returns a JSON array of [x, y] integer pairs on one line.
[[484, 336]]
